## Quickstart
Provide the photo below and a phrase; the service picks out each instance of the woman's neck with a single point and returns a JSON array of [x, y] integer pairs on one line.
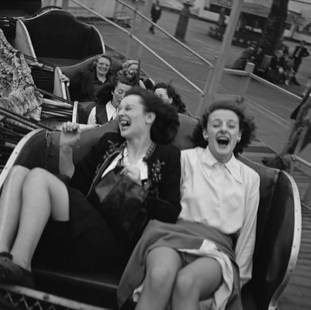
[[101, 77], [137, 148]]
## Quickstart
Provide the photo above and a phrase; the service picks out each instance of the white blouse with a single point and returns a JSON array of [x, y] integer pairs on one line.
[[110, 110], [224, 196]]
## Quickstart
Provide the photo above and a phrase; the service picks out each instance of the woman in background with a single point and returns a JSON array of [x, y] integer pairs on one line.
[[85, 85], [169, 95]]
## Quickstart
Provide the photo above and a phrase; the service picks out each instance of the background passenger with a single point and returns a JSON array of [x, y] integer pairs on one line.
[[169, 96], [57, 223], [109, 99], [84, 86], [155, 13], [208, 252]]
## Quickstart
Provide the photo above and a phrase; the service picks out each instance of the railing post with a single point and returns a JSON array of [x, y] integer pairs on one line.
[[144, 25], [249, 69], [65, 4], [225, 47], [203, 96], [131, 32]]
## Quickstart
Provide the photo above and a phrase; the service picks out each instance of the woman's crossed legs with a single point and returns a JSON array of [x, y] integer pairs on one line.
[[166, 279]]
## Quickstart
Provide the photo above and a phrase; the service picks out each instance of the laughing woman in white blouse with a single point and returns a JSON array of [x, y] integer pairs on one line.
[[206, 257]]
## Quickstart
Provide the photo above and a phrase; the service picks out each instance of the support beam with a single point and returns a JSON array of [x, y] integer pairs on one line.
[[224, 52]]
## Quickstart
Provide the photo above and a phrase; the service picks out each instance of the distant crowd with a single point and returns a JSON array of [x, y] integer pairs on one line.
[[279, 68]]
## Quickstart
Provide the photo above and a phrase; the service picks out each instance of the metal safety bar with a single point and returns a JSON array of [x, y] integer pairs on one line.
[[197, 88], [167, 34]]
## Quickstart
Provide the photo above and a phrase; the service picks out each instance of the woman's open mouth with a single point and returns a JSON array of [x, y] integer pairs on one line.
[[124, 124], [223, 141]]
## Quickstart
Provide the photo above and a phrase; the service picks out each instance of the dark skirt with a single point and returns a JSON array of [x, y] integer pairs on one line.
[[84, 243], [182, 235]]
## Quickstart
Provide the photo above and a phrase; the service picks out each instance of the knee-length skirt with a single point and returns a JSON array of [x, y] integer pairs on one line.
[[84, 243]]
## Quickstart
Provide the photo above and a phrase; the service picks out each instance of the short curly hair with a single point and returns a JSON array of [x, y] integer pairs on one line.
[[246, 124], [92, 65], [165, 126], [171, 93]]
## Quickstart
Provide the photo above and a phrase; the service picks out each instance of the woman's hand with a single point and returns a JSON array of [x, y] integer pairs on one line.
[[133, 173], [70, 134]]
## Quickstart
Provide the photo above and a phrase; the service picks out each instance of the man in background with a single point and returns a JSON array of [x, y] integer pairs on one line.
[[299, 53], [155, 14]]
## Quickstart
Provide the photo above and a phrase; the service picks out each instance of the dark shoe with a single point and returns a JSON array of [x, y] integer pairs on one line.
[[11, 273]]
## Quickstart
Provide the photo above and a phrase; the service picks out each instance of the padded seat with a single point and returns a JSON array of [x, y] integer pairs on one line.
[[277, 235], [59, 36]]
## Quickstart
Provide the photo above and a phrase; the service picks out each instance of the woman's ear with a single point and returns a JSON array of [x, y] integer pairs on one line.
[[150, 118]]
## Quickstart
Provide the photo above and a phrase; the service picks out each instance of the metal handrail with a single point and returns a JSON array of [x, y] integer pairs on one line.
[[259, 79], [197, 88], [167, 34]]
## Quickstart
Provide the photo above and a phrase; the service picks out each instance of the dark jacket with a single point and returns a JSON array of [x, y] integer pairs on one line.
[[101, 114], [155, 12], [84, 86], [163, 201], [300, 52]]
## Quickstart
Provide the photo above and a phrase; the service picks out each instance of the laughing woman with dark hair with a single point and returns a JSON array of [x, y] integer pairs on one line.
[[207, 254], [57, 221]]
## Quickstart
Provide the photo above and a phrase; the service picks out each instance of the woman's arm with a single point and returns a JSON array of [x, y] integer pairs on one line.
[[246, 242], [69, 138], [166, 207]]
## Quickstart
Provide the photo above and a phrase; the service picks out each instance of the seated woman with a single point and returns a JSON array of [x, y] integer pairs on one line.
[[84, 86], [57, 224], [132, 70], [169, 96], [208, 253], [109, 98]]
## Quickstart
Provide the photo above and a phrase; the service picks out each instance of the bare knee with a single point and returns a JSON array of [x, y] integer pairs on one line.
[[37, 175], [18, 172], [160, 277], [185, 284]]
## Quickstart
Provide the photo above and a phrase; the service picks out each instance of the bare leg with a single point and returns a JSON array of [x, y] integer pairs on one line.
[[162, 266], [10, 204], [197, 281], [43, 196]]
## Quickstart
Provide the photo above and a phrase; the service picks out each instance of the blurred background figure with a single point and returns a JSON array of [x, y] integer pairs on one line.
[[299, 53], [155, 14], [169, 95]]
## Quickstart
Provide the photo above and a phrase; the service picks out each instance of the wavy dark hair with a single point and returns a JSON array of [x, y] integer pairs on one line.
[[171, 93], [105, 93], [246, 124], [165, 126]]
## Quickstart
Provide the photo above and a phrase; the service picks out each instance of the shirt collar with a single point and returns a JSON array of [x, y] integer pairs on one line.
[[111, 111], [233, 165]]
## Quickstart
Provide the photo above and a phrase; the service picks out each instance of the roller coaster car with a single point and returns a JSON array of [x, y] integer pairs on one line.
[[278, 225], [57, 37], [73, 71]]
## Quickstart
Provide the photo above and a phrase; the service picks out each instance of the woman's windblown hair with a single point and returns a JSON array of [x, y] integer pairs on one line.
[[166, 124], [246, 123]]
